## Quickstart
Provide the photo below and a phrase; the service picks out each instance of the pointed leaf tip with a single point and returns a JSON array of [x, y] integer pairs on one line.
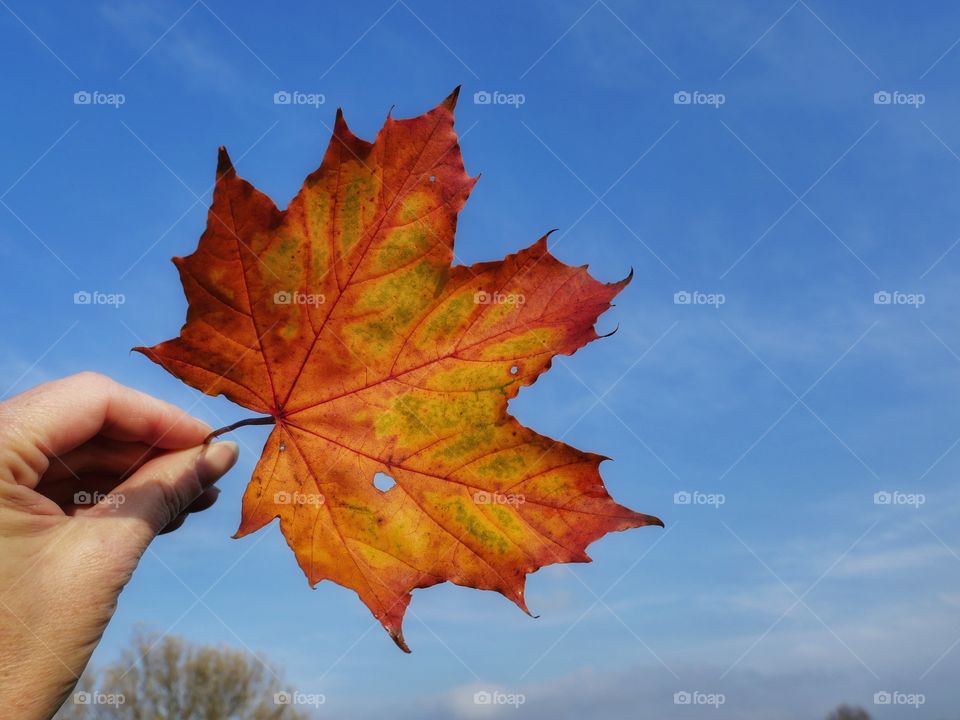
[[397, 637], [224, 163], [450, 102], [340, 128], [541, 243]]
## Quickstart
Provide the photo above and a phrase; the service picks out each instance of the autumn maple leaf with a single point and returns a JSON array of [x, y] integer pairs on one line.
[[344, 321]]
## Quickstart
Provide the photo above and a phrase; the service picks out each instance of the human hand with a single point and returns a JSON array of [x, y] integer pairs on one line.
[[90, 473]]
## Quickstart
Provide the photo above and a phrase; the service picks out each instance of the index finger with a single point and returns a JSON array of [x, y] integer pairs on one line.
[[61, 415]]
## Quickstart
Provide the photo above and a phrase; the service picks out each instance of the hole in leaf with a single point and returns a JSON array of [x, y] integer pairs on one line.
[[514, 370], [433, 178], [383, 482]]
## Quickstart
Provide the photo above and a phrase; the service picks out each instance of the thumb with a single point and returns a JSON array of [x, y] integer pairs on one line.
[[164, 487]]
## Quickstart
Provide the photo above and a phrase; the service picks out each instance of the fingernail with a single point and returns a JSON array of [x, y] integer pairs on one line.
[[215, 460]]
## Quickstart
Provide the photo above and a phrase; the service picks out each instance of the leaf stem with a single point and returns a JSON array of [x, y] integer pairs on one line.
[[265, 420]]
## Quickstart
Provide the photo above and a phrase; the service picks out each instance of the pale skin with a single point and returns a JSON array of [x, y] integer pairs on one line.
[[90, 473]]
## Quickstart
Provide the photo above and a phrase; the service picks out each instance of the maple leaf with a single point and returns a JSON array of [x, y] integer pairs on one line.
[[344, 321]]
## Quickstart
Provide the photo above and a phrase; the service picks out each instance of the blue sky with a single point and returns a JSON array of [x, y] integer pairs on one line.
[[787, 189]]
